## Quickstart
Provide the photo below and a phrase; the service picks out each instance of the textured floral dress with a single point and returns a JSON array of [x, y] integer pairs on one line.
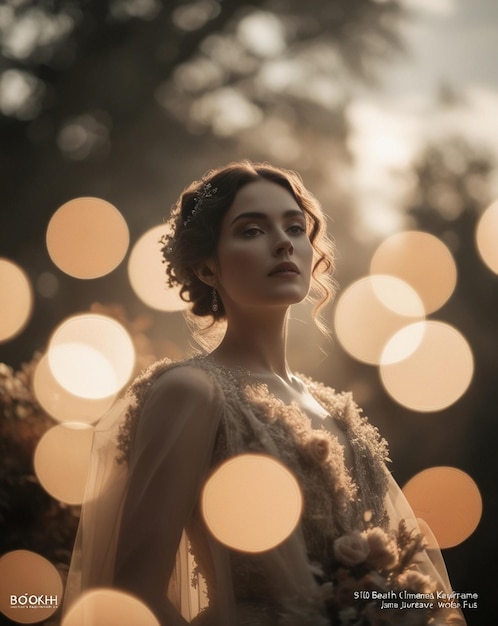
[[142, 529]]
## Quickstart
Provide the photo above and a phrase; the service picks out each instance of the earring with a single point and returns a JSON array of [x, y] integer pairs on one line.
[[214, 301]]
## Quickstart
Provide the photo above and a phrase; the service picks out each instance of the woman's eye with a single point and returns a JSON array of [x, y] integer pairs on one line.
[[251, 232], [296, 229]]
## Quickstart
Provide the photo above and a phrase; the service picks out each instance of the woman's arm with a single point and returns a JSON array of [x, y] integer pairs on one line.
[[170, 458]]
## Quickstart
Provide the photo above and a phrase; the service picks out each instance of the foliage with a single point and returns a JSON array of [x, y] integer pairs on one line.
[[128, 100], [44, 43], [30, 519]]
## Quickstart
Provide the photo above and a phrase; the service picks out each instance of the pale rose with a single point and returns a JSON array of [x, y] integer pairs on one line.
[[373, 581], [351, 549], [416, 582], [319, 448], [383, 553]]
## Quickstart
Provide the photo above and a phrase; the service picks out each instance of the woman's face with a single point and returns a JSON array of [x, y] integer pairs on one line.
[[264, 255]]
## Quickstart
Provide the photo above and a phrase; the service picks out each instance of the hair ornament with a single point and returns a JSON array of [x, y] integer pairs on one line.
[[207, 191]]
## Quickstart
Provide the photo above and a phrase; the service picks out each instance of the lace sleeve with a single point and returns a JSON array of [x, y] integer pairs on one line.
[[169, 461], [430, 562]]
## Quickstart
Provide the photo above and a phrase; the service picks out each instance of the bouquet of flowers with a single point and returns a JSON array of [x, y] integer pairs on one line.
[[372, 581]]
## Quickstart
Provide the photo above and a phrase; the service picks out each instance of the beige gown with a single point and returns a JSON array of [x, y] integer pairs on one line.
[[141, 527]]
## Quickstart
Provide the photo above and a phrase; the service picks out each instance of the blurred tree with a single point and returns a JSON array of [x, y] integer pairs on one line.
[[130, 99], [452, 189], [52, 51], [452, 192]]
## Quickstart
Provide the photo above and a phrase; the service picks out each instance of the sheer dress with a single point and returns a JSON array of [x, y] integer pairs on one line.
[[141, 527]]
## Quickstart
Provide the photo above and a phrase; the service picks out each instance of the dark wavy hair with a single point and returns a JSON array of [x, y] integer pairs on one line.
[[194, 227]]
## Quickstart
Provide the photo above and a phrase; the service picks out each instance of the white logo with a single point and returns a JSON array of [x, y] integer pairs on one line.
[[32, 601]]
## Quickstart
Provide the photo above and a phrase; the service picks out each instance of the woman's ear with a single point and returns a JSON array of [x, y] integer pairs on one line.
[[205, 272]]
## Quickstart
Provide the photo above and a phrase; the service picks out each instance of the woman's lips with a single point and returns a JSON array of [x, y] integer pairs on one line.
[[285, 269]]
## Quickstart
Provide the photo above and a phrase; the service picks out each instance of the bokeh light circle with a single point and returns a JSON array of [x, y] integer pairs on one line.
[[108, 607], [27, 576], [370, 311], [252, 503], [435, 373], [16, 299], [87, 238], [91, 355], [487, 237], [448, 500], [421, 260], [147, 273], [60, 403], [62, 459]]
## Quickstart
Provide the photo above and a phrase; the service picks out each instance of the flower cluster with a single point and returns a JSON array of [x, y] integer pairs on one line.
[[372, 580], [22, 420], [207, 191]]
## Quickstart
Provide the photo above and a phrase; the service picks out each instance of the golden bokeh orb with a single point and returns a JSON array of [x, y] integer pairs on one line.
[[16, 299], [448, 501], [252, 503], [87, 238]]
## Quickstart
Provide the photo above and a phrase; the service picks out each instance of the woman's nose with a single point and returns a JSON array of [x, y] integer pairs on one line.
[[283, 245]]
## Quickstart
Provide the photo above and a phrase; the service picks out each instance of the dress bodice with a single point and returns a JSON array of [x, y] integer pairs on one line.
[[152, 456], [335, 496]]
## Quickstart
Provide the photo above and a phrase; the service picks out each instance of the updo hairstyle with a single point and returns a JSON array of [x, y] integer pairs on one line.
[[194, 227]]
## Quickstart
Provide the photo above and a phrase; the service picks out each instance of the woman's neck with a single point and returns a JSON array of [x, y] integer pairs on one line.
[[258, 345]]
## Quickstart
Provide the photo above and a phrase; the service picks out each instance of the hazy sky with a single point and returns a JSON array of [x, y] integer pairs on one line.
[[448, 42]]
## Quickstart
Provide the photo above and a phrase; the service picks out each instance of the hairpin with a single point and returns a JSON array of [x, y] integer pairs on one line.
[[207, 191]]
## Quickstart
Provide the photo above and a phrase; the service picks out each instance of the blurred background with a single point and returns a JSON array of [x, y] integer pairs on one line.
[[387, 108]]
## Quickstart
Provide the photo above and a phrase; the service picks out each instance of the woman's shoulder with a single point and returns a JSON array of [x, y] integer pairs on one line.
[[180, 388], [186, 379]]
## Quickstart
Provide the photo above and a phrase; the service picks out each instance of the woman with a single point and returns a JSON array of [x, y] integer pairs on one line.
[[248, 242]]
